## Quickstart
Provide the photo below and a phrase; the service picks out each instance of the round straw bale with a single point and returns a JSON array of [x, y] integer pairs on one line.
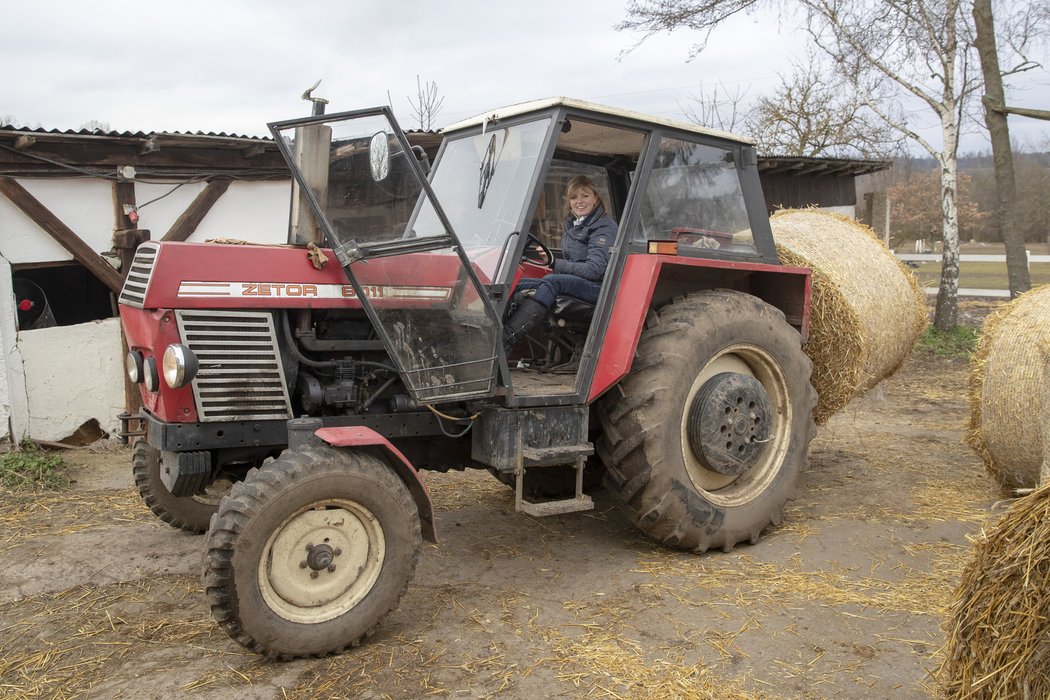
[[1007, 383], [866, 309], [999, 625]]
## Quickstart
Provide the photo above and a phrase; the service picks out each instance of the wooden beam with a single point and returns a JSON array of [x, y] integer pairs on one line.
[[45, 219], [186, 224], [254, 151]]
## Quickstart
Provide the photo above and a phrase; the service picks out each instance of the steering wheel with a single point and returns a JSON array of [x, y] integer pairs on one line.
[[536, 252]]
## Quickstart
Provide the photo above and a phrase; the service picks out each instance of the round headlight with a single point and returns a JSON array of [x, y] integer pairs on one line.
[[149, 374], [179, 366], [133, 364]]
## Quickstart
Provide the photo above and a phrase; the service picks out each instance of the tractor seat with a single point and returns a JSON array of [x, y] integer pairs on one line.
[[568, 311]]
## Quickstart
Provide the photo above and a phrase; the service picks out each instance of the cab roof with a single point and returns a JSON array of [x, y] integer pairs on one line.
[[597, 109]]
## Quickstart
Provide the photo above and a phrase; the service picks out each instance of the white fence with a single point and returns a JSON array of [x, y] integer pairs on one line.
[[970, 292]]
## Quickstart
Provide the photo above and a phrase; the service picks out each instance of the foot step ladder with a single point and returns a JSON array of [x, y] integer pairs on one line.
[[541, 457]]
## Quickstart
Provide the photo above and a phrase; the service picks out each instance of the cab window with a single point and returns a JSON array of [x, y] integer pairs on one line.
[[693, 195]]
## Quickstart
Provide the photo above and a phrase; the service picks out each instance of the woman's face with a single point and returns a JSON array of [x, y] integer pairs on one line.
[[582, 202]]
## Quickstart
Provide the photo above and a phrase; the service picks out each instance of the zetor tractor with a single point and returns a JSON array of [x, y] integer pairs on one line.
[[292, 393]]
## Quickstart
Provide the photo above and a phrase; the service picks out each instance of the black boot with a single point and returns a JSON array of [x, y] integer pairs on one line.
[[528, 315]]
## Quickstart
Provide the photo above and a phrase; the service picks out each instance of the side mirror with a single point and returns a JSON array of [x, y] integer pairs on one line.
[[379, 156]]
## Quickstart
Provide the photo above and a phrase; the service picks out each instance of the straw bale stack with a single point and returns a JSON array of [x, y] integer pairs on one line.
[[866, 308], [999, 629], [1008, 380]]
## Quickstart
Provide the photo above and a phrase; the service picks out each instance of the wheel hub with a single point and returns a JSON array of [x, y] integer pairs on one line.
[[321, 557], [729, 423], [322, 561]]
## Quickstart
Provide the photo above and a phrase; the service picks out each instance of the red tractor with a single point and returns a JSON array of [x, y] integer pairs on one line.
[[292, 393]]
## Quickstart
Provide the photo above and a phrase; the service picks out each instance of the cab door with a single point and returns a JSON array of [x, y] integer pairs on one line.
[[365, 189]]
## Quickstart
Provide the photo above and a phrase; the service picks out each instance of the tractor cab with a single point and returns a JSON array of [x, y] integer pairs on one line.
[[434, 256]]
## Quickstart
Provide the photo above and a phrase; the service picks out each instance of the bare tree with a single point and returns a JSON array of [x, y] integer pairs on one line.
[[95, 125], [914, 49], [1024, 27], [427, 104], [813, 113], [723, 110]]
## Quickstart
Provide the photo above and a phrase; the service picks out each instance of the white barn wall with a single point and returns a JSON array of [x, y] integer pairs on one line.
[[14, 412], [55, 379], [250, 211], [73, 374], [83, 204]]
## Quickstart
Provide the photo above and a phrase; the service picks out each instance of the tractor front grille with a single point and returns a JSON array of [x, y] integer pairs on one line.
[[137, 282], [240, 376]]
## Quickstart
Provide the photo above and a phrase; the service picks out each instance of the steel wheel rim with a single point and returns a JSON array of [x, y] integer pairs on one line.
[[729, 491], [294, 576]]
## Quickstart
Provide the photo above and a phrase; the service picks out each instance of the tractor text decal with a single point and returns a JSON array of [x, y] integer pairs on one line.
[[314, 291]]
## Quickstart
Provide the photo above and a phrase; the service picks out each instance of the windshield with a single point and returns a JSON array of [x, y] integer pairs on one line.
[[360, 187], [482, 182], [361, 178]]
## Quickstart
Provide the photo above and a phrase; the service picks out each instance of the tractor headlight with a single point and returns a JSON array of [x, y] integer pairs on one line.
[[179, 365], [133, 364], [149, 375]]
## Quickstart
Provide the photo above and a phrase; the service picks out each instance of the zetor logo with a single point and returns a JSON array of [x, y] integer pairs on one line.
[[274, 289], [317, 291]]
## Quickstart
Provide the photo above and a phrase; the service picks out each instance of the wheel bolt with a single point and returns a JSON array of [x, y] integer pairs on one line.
[[302, 564], [314, 574], [309, 548], [338, 551], [331, 568]]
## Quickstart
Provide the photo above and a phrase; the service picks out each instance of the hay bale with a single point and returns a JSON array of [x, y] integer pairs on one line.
[[1044, 471], [999, 628], [1007, 384], [866, 309]]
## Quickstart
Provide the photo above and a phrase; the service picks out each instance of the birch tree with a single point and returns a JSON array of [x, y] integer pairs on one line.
[[913, 51]]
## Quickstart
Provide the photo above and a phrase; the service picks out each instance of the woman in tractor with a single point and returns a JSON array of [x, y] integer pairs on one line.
[[589, 234]]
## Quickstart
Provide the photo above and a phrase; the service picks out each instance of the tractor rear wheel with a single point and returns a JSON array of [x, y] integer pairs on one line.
[[309, 552], [705, 439], [187, 513]]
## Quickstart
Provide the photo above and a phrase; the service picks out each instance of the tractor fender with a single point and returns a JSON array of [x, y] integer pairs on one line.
[[359, 436]]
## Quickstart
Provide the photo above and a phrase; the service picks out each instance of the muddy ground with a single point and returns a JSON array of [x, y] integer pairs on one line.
[[844, 600]]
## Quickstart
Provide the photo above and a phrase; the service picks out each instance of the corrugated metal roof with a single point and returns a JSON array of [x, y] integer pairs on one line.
[[126, 134]]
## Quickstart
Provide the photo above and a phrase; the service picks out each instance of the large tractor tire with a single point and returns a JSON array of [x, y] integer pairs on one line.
[[187, 513], [706, 437], [309, 552]]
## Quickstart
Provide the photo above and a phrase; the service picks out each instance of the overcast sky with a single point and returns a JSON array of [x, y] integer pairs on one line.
[[233, 65]]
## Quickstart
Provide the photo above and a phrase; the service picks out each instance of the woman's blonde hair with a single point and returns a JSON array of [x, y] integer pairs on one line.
[[582, 182]]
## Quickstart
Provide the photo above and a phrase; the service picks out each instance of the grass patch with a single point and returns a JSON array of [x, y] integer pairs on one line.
[[980, 275], [32, 469], [956, 344]]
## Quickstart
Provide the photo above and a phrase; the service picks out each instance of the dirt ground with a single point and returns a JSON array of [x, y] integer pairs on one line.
[[845, 599]]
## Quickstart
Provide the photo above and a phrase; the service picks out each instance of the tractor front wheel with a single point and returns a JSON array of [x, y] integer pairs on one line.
[[705, 439], [188, 513], [309, 552]]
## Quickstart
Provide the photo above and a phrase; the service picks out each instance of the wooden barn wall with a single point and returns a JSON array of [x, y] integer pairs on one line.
[[790, 191]]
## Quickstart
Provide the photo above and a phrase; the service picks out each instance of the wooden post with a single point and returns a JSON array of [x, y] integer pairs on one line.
[[126, 241], [45, 219], [312, 146], [124, 212]]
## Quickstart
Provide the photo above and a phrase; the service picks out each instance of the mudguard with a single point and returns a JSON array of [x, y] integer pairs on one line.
[[358, 436]]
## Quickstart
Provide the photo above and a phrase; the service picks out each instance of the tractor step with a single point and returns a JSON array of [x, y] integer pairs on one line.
[[550, 457], [554, 456], [545, 508]]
